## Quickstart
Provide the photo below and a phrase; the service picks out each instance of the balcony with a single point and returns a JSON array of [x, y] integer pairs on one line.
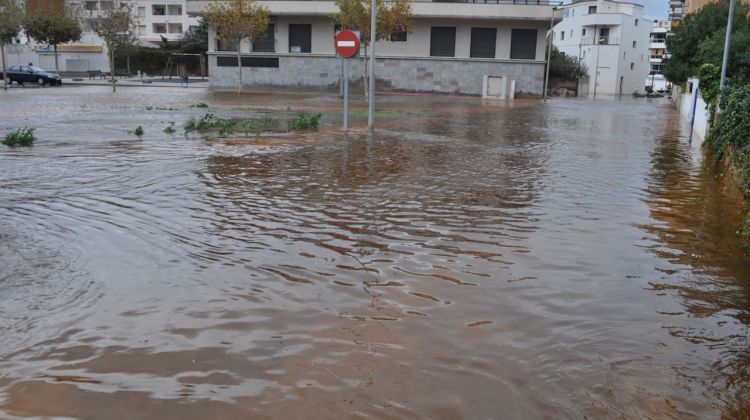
[[657, 45], [600, 40], [656, 59], [467, 9]]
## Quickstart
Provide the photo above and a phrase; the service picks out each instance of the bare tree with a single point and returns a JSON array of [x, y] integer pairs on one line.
[[235, 20], [392, 18], [113, 24], [11, 13]]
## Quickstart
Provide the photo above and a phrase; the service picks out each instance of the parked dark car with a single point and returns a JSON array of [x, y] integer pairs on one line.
[[32, 74]]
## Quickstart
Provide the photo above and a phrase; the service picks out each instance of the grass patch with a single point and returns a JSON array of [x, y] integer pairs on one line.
[[304, 122], [199, 105], [20, 137], [170, 128], [138, 131]]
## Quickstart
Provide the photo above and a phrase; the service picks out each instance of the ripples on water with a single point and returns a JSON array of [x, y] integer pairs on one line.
[[570, 259]]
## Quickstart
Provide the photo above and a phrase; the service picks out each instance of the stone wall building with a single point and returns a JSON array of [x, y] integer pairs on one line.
[[450, 50]]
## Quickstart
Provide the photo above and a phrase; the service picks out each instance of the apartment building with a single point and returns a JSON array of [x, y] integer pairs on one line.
[[657, 45], [452, 47], [610, 39], [155, 18]]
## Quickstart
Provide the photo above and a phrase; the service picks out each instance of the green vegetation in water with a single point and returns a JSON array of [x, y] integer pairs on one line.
[[210, 122], [199, 105], [170, 128], [138, 131], [304, 122], [20, 137]]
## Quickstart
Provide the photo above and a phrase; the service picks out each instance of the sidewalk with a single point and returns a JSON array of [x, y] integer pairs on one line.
[[155, 82]]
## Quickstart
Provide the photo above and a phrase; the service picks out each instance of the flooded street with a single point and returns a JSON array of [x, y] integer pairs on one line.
[[560, 260]]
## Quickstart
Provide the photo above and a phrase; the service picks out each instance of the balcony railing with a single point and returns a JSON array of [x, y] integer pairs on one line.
[[600, 40]]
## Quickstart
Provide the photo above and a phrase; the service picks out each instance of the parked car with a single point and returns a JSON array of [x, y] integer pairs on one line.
[[32, 74]]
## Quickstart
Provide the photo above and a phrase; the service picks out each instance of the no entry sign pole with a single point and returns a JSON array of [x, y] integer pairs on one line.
[[373, 32], [346, 44]]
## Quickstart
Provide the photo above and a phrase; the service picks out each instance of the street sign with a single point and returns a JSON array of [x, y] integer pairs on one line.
[[346, 44]]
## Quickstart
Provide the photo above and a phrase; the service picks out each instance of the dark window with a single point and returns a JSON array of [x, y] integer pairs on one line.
[[636, 22], [443, 41], [562, 35], [248, 61], [398, 36], [583, 32], [523, 44], [225, 45], [483, 42], [632, 65], [592, 9], [300, 38], [266, 42], [633, 44]]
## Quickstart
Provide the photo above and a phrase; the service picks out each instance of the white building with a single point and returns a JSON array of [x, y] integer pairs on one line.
[[611, 39], [657, 45], [453, 46], [155, 18]]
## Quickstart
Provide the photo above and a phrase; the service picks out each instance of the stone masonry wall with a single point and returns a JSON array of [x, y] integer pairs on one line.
[[456, 76]]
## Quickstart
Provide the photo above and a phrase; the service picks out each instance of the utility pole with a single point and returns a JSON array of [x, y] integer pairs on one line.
[[373, 33], [549, 56], [725, 59]]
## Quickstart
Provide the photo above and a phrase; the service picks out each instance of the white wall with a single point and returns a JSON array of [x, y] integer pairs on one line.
[[687, 99]]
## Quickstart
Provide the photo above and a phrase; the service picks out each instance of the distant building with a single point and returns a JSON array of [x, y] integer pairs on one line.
[[155, 18], [657, 45], [453, 46], [611, 39]]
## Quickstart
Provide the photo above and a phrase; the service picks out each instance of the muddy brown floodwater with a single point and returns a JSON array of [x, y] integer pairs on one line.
[[561, 260]]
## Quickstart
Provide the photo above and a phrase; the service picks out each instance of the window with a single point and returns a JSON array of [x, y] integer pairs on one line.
[[572, 12], [483, 42], [604, 36], [636, 22], [562, 36], [571, 34], [523, 44], [141, 12], [267, 42], [300, 38], [158, 10], [632, 66], [592, 9], [583, 54], [159, 28], [399, 36], [174, 10], [442, 41], [226, 45], [641, 57], [175, 28], [623, 55], [633, 44], [90, 5], [141, 29], [583, 32]]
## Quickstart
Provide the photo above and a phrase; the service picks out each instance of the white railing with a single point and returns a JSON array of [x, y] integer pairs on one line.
[[600, 40]]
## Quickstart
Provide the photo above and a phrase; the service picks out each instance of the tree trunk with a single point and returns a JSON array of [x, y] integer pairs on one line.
[[112, 68], [5, 70], [127, 58], [239, 66], [57, 66]]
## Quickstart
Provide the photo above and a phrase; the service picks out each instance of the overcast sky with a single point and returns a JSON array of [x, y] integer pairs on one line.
[[655, 9]]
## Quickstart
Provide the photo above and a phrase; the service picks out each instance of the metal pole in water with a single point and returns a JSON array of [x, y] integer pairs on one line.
[[549, 56], [345, 83], [373, 32], [341, 88]]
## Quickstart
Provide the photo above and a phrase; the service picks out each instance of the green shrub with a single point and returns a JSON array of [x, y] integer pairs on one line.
[[170, 128], [303, 122], [732, 131], [199, 105], [138, 131], [20, 137], [210, 122]]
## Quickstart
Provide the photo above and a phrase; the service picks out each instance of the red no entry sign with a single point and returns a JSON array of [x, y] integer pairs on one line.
[[347, 44]]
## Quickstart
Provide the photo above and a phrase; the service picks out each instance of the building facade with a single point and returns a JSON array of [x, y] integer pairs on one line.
[[155, 18], [657, 45], [451, 49], [610, 39]]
